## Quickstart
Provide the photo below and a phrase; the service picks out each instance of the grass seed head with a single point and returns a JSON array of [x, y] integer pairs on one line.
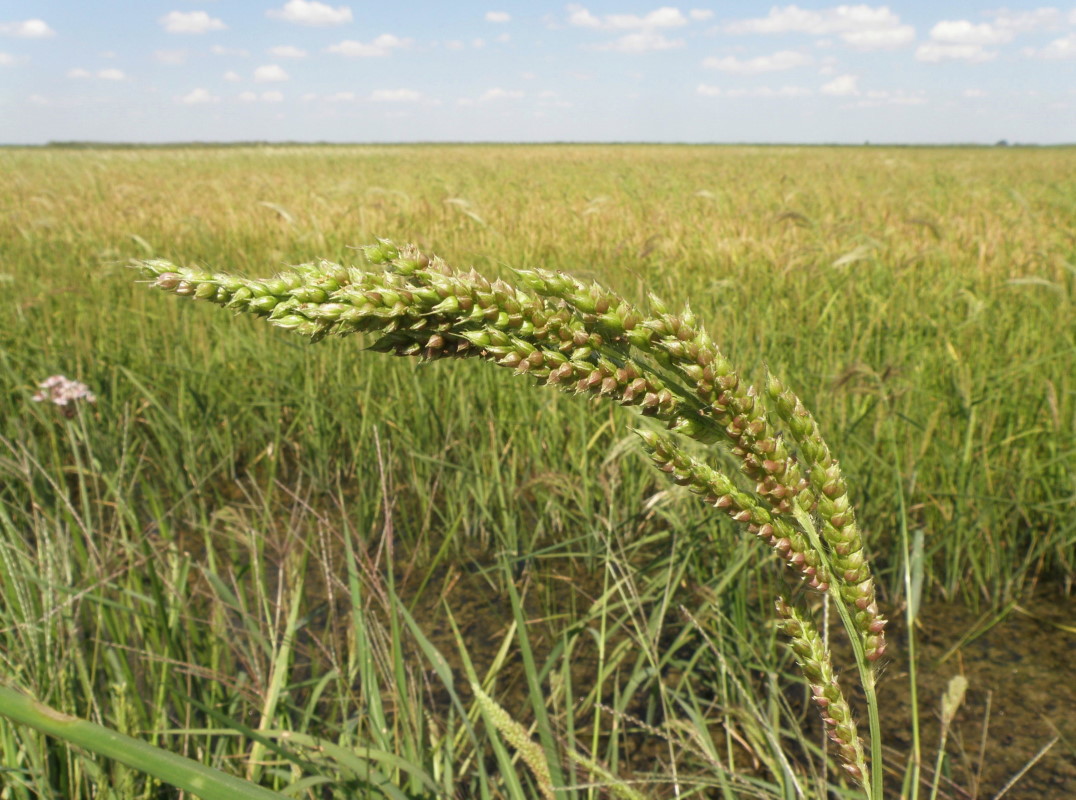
[[813, 658]]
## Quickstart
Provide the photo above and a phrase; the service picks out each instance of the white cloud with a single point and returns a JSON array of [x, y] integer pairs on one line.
[[754, 91], [395, 96], [664, 17], [103, 74], [287, 51], [478, 44], [781, 20], [383, 45], [265, 97], [961, 31], [900, 97], [340, 97], [786, 91], [191, 22], [880, 38], [793, 19], [841, 86], [580, 17], [219, 50], [27, 29], [173, 57], [934, 52], [198, 97], [862, 26], [6, 59], [39, 100], [1057, 50], [270, 73], [498, 16], [500, 94], [785, 59], [974, 93], [646, 41], [547, 98], [1031, 20], [302, 12], [232, 77], [504, 38], [700, 14]]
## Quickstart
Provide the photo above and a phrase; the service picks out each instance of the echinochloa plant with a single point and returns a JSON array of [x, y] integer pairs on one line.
[[581, 338]]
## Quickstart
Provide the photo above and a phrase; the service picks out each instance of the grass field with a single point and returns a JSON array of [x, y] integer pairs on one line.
[[247, 532]]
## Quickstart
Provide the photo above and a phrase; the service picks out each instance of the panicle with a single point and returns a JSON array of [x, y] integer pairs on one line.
[[584, 339], [717, 489], [814, 660], [728, 409], [834, 512]]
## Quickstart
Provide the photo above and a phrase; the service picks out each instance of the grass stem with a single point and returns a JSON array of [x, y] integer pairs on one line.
[[183, 773]]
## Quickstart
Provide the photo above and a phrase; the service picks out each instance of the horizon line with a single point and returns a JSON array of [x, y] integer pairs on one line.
[[93, 143]]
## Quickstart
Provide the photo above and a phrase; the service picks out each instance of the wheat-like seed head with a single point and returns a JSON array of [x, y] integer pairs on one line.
[[813, 658], [584, 339], [529, 750]]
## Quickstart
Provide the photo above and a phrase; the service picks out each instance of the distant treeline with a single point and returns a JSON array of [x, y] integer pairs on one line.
[[90, 145]]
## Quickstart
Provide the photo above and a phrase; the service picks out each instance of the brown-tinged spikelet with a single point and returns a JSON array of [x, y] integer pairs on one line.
[[813, 658], [837, 517]]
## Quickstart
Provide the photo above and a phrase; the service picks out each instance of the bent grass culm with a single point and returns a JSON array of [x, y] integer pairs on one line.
[[584, 339]]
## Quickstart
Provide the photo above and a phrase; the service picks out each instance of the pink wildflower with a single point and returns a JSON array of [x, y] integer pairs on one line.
[[63, 392]]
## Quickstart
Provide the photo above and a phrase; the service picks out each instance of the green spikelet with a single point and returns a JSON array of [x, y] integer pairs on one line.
[[814, 660], [834, 511], [516, 735]]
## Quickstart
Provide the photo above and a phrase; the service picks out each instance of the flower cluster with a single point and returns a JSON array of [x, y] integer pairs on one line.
[[63, 392]]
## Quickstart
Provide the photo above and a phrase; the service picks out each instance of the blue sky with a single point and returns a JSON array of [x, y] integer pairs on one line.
[[358, 71]]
